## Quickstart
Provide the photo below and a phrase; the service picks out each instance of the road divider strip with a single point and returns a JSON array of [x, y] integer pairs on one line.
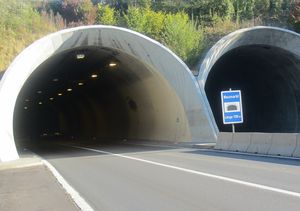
[[227, 179]]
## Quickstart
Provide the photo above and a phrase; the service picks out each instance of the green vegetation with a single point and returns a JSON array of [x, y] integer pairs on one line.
[[106, 15], [182, 35], [20, 24], [187, 27]]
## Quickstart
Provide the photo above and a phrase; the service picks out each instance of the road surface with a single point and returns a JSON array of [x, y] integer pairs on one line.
[[135, 177]]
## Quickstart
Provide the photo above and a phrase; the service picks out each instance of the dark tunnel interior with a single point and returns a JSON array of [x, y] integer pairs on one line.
[[269, 80], [95, 94]]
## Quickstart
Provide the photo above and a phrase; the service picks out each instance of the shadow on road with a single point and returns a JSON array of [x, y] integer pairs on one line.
[[54, 149]]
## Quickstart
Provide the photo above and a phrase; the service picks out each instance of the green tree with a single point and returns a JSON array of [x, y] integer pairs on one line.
[[154, 23], [222, 8], [139, 3], [106, 15], [182, 36], [146, 21], [244, 10], [135, 19], [261, 8]]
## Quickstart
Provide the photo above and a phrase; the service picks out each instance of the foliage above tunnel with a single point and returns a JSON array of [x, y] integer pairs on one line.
[[20, 24], [187, 27]]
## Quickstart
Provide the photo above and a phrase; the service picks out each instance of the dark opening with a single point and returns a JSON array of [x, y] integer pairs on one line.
[[269, 79], [94, 94]]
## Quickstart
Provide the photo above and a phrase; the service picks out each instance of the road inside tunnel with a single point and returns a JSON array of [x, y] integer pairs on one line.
[[96, 93], [269, 79]]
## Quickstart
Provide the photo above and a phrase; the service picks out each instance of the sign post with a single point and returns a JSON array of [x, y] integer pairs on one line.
[[232, 108]]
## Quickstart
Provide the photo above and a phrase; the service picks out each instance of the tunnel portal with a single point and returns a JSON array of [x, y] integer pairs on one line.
[[99, 83], [264, 63], [269, 78]]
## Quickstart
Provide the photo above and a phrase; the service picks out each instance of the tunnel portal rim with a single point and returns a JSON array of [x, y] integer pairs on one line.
[[233, 41], [8, 149]]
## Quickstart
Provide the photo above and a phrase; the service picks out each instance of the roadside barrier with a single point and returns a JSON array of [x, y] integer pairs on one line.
[[283, 144], [296, 152], [260, 143], [240, 142], [224, 141]]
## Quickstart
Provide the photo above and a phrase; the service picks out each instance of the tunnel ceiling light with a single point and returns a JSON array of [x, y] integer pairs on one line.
[[112, 64], [27, 100], [39, 92], [80, 83], [69, 89], [25, 108], [51, 98], [40, 103], [55, 79], [59, 94], [80, 56], [94, 76]]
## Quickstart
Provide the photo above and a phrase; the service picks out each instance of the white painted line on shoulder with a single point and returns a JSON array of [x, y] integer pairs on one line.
[[80, 202], [227, 179]]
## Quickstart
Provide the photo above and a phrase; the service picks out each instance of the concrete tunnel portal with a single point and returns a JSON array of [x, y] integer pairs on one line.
[[264, 63], [100, 83], [103, 83], [269, 78]]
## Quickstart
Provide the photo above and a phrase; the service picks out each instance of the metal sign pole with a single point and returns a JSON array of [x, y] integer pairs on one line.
[[233, 128]]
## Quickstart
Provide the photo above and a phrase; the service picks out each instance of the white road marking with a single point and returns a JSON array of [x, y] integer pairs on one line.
[[80, 202], [227, 179]]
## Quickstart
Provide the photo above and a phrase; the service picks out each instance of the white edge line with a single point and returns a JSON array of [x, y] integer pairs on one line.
[[79, 201], [227, 179]]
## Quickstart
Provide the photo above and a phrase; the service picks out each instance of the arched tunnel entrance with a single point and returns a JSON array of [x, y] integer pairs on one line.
[[264, 63], [269, 78], [96, 93], [99, 83]]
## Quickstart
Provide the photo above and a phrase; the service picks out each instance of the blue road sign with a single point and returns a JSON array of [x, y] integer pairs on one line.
[[232, 107]]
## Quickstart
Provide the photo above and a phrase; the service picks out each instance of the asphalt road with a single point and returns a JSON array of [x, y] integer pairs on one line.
[[131, 177]]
